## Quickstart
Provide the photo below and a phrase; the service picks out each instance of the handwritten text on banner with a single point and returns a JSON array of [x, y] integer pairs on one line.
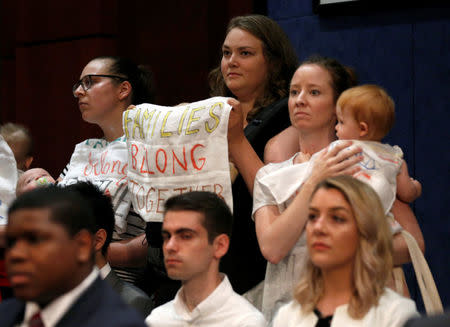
[[173, 150]]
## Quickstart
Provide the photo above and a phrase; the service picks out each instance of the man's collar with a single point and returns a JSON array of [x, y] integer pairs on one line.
[[208, 306], [55, 310], [105, 270]]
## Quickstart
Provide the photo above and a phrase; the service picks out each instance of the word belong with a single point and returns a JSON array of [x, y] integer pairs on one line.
[[162, 160]]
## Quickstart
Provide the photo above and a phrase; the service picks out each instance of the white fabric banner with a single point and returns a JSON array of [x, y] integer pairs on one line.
[[8, 179], [379, 168], [173, 150], [105, 165]]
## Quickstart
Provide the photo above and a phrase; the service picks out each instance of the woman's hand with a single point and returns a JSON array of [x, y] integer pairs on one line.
[[241, 152], [278, 232], [235, 122], [340, 160]]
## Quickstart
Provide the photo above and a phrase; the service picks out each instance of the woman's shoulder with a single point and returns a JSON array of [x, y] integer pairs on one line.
[[292, 306], [288, 312], [282, 146], [393, 309], [390, 297]]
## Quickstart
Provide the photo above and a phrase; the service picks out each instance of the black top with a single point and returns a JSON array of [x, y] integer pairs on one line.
[[323, 321], [244, 263]]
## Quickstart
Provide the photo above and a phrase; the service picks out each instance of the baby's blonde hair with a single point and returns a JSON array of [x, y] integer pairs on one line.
[[370, 104]]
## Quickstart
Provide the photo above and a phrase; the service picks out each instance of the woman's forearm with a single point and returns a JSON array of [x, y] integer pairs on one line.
[[246, 161], [278, 233], [128, 253]]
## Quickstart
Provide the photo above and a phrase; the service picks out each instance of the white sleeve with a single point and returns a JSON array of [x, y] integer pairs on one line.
[[261, 195], [8, 179], [399, 310]]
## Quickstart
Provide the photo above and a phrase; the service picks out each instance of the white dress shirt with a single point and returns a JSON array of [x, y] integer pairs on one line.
[[223, 307], [55, 310]]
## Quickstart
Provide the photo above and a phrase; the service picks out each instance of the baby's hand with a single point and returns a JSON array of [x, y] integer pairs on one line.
[[417, 186]]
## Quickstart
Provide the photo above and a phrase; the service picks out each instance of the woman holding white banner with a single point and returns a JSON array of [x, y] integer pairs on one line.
[[257, 64], [107, 86], [314, 90]]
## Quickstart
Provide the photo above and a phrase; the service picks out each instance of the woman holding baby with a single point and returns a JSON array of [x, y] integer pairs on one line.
[[314, 90]]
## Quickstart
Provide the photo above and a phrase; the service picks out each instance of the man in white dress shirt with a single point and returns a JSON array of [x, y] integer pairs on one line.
[[196, 235]]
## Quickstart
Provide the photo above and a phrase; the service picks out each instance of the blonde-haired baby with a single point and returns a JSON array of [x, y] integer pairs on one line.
[[367, 113]]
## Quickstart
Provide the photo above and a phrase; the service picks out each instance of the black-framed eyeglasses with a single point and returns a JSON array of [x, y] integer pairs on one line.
[[86, 82]]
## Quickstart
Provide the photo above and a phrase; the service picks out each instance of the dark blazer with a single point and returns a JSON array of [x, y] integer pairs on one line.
[[132, 295], [98, 306]]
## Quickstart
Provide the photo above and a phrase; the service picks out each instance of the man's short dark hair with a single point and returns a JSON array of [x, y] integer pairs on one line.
[[67, 207], [218, 218], [101, 207]]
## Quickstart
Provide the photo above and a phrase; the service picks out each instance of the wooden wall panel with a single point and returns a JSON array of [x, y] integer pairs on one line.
[[8, 28], [7, 60], [181, 46], [7, 91], [49, 42], [171, 45], [50, 20]]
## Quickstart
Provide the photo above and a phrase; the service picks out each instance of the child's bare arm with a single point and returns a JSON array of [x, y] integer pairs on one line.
[[408, 189]]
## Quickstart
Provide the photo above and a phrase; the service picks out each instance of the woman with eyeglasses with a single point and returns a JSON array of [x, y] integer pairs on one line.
[[107, 86]]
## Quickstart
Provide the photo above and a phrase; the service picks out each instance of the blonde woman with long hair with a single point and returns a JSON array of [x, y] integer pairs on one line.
[[350, 258]]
